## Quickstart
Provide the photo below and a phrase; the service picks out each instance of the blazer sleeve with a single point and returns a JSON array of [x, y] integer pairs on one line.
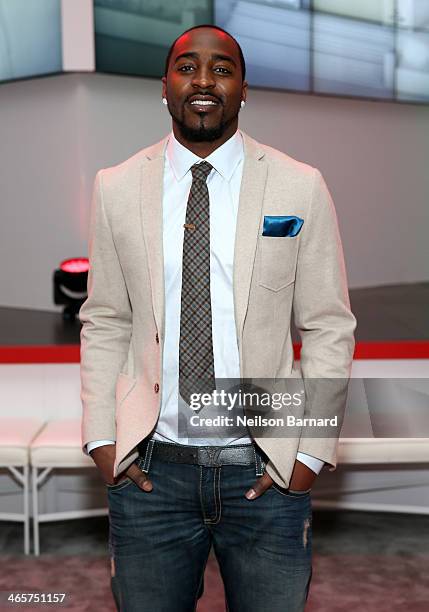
[[106, 318], [325, 323]]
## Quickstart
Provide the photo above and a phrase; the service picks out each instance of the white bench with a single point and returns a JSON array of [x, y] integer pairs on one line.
[[58, 445], [370, 451], [15, 439], [370, 456]]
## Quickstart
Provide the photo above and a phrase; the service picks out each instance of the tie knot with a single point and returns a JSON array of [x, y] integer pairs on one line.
[[201, 170]]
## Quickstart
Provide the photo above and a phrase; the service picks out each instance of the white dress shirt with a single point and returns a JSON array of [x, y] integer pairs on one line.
[[223, 185]]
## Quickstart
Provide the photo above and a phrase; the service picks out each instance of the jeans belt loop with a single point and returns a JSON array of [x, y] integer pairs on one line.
[[258, 464], [148, 456]]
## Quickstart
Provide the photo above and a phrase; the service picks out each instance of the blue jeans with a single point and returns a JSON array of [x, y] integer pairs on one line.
[[161, 540]]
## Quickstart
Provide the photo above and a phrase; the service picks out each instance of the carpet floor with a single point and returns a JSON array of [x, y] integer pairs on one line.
[[363, 562]]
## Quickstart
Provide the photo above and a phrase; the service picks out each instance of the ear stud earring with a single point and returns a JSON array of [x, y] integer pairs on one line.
[[164, 101], [242, 104]]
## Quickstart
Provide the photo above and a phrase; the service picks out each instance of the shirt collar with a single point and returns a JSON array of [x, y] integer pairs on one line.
[[224, 159]]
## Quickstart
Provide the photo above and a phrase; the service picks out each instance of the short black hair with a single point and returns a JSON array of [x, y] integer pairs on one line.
[[214, 27]]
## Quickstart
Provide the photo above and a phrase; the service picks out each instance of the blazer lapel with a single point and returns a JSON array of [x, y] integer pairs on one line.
[[248, 223], [151, 193]]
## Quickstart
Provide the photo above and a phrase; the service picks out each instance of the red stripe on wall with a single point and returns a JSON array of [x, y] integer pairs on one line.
[[70, 353], [59, 353], [404, 349]]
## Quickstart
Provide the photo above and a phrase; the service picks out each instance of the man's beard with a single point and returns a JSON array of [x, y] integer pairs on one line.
[[202, 133]]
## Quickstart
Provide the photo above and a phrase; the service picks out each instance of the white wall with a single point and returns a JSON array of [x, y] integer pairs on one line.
[[43, 214], [77, 24], [56, 132]]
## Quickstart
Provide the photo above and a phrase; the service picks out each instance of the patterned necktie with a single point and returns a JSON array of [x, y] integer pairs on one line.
[[196, 363]]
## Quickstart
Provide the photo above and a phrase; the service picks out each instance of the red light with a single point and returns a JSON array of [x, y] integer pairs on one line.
[[76, 265]]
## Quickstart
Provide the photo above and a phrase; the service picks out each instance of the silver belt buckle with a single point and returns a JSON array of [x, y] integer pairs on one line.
[[209, 456]]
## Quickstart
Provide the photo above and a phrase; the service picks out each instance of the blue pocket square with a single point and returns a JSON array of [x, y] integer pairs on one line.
[[288, 226]]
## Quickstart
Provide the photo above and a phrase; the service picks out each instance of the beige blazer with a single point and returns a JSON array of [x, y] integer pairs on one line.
[[123, 316]]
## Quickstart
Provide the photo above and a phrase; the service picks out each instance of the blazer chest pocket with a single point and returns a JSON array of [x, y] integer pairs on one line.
[[277, 261]]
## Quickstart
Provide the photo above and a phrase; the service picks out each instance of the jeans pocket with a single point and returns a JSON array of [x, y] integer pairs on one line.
[[126, 481], [120, 485], [290, 492]]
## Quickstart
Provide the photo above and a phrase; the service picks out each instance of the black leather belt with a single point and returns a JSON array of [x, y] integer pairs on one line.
[[209, 456]]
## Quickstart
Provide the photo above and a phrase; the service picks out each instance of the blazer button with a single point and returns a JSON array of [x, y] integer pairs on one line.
[[157, 338], [156, 387]]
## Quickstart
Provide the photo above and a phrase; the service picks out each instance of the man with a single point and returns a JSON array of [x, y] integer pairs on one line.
[[200, 246]]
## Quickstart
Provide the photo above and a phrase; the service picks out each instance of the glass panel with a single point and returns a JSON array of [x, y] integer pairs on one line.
[[275, 38], [133, 36], [412, 67], [352, 57], [379, 11], [30, 38]]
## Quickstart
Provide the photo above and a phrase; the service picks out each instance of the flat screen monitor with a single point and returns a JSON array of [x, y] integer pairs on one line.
[[275, 38], [133, 36], [30, 38], [375, 49]]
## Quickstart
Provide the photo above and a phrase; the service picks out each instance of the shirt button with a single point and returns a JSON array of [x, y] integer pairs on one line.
[[157, 338], [156, 387]]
